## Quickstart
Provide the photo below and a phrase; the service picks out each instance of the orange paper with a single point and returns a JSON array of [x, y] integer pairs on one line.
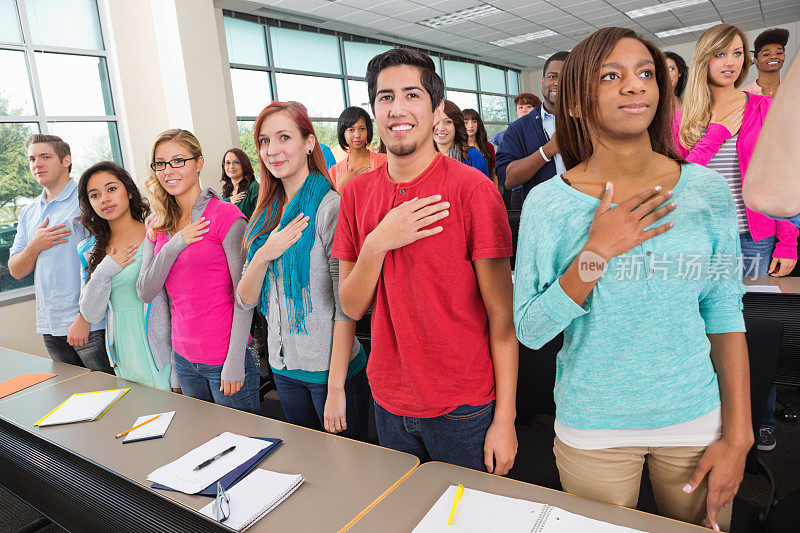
[[23, 381]]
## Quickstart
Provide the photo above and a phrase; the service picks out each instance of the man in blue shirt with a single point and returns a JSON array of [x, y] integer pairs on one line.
[[529, 154], [46, 244]]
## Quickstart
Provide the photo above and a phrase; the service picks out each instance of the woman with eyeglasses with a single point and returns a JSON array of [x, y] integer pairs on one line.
[[239, 185], [194, 251]]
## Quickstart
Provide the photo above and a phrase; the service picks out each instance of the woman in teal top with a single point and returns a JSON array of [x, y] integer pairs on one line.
[[113, 211], [647, 291]]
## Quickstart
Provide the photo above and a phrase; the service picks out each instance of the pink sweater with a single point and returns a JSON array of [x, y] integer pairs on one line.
[[755, 111]]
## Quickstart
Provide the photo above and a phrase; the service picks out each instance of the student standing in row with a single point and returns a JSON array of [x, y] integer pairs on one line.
[[678, 72], [239, 185], [317, 363], [138, 338], [529, 153], [768, 57], [46, 244], [425, 240], [194, 251], [477, 138], [610, 277], [450, 138], [354, 132], [524, 103]]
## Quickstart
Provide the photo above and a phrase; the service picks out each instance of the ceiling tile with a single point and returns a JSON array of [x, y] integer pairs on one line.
[[418, 14]]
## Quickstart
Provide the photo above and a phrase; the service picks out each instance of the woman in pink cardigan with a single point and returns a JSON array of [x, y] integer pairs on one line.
[[717, 127]]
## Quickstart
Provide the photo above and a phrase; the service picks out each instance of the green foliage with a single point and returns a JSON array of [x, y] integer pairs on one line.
[[16, 180], [248, 144]]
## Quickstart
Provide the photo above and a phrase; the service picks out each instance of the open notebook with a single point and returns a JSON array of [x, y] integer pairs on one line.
[[152, 430], [82, 407], [479, 512], [255, 496]]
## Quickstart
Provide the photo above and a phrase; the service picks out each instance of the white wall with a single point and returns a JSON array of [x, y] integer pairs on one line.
[[19, 328]]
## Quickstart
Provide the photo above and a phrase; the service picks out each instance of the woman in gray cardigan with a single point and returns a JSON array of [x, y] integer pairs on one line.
[[317, 363]]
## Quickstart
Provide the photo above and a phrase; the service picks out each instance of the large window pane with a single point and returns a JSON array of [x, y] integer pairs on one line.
[[72, 23], [460, 75], [251, 92], [494, 129], [17, 188], [74, 85], [247, 42], [493, 80], [324, 97], [513, 82], [302, 50], [463, 100], [89, 142], [358, 55], [494, 108], [437, 62], [15, 88], [247, 143], [9, 22], [359, 95]]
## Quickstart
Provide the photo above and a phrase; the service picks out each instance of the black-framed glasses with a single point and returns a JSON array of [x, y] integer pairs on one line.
[[178, 162], [222, 504]]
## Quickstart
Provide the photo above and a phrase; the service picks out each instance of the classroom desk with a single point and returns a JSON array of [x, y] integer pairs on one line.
[[406, 505], [343, 477], [14, 363], [783, 306]]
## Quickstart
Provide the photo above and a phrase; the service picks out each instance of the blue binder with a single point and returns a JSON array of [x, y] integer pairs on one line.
[[234, 476]]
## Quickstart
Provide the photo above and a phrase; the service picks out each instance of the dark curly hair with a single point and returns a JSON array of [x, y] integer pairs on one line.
[[248, 176], [774, 36], [96, 225]]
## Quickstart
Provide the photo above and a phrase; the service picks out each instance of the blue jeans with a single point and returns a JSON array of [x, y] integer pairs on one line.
[[91, 355], [768, 420], [203, 382], [756, 255], [304, 403], [456, 437]]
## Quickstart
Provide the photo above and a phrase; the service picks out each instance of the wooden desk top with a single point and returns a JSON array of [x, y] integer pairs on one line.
[[787, 285], [14, 363], [405, 506], [343, 477]]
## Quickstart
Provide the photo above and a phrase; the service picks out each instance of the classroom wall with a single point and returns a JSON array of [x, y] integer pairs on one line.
[[19, 328]]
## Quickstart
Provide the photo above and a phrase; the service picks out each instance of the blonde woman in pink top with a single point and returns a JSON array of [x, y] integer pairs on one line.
[[194, 251], [355, 135]]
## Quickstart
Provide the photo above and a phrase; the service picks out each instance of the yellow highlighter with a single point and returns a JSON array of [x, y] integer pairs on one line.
[[459, 494]]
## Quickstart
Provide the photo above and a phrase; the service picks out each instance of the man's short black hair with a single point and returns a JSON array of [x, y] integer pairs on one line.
[[350, 116], [774, 36], [558, 56], [431, 81]]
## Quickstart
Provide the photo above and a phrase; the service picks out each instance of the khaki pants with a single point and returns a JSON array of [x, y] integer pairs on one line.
[[613, 475]]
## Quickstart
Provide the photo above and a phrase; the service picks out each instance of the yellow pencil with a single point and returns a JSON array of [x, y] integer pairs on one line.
[[134, 427], [459, 494]]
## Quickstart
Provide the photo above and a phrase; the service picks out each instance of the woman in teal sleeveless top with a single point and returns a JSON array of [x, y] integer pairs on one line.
[[113, 211]]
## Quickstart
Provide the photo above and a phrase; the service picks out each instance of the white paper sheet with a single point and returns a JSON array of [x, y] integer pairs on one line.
[[180, 474], [153, 429], [82, 407], [763, 288], [255, 496]]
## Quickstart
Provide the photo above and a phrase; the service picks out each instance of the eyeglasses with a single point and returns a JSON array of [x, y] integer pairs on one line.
[[178, 162], [222, 504]]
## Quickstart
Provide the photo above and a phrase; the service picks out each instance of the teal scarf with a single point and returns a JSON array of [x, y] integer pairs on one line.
[[296, 261]]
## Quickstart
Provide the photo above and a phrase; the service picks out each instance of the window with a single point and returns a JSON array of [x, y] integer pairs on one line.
[[325, 72], [55, 80]]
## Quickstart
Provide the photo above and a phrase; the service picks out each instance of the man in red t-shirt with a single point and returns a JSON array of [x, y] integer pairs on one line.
[[426, 239]]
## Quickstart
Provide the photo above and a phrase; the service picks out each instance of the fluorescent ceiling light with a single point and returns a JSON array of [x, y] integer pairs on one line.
[[660, 8], [688, 29], [525, 38], [472, 13], [544, 57]]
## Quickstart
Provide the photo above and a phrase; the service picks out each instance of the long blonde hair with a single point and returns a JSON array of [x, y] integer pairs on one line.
[[698, 98], [166, 212]]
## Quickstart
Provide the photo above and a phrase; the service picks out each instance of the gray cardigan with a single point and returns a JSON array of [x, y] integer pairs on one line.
[[311, 352], [95, 305]]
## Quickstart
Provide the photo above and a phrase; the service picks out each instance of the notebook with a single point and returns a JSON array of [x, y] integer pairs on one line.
[[478, 512], [151, 430], [82, 407], [255, 496], [23, 381]]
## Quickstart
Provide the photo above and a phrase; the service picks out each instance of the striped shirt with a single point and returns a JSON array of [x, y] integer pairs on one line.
[[726, 162]]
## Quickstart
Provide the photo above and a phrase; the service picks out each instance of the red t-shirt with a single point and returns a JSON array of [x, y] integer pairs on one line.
[[430, 331]]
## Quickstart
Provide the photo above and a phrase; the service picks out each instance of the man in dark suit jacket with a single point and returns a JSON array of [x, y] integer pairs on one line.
[[529, 154]]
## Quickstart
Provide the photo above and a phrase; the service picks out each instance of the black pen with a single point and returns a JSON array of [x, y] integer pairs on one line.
[[209, 461]]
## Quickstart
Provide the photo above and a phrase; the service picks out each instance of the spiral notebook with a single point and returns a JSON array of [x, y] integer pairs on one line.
[[82, 407], [479, 512], [255, 496]]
